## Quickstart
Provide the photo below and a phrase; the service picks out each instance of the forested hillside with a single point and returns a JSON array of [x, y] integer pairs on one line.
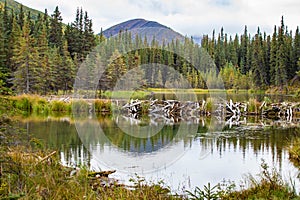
[[17, 8], [41, 55], [272, 60]]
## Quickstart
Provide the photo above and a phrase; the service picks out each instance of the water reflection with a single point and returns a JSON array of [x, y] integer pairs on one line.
[[60, 134], [179, 148]]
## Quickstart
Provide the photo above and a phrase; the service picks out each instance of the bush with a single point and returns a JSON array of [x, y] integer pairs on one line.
[[59, 106], [80, 106], [40, 106], [23, 102], [269, 185], [209, 105], [102, 105]]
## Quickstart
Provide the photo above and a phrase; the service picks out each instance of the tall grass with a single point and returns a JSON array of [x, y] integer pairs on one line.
[[102, 106], [138, 94], [39, 105], [268, 185], [253, 106], [294, 152], [24, 102], [59, 106], [29, 171], [79, 106], [28, 175]]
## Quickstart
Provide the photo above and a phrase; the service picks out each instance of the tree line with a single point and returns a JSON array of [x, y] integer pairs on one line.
[[241, 62], [42, 56], [272, 60]]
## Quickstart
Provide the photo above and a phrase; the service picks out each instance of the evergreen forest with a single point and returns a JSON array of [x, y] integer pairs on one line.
[[42, 55]]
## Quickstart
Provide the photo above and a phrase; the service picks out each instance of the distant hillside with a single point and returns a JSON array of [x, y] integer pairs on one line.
[[14, 5], [143, 28]]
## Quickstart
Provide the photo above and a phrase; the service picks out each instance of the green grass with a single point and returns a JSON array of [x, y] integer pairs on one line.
[[58, 106], [33, 104], [204, 91], [138, 94], [253, 105], [102, 106], [267, 185], [29, 171], [25, 175], [79, 106], [28, 176]]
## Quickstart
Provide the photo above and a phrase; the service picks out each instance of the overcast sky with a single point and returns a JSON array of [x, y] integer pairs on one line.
[[188, 17]]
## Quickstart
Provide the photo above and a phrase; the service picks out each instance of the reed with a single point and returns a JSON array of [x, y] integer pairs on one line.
[[294, 152], [102, 106], [253, 106]]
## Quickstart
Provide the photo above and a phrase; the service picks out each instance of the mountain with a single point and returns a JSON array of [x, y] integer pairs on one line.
[[143, 28], [15, 6]]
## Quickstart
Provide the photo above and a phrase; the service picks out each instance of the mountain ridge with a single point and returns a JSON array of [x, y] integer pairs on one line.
[[137, 25], [143, 28], [132, 24]]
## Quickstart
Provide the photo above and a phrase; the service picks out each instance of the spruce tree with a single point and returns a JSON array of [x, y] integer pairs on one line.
[[273, 56], [56, 32], [26, 61], [243, 52], [296, 50]]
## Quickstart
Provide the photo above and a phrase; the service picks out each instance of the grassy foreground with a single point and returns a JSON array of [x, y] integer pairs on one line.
[[28, 171]]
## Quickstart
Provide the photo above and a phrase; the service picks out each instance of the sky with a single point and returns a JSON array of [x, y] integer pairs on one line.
[[188, 17]]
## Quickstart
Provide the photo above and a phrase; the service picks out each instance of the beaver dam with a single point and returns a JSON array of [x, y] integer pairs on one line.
[[175, 108]]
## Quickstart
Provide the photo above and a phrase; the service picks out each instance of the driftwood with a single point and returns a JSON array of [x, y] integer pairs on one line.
[[48, 156], [173, 109], [133, 107], [101, 174]]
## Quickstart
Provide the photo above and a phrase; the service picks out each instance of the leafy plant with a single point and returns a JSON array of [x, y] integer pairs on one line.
[[208, 192]]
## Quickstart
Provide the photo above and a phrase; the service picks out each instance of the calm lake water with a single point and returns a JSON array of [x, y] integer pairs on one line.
[[184, 154]]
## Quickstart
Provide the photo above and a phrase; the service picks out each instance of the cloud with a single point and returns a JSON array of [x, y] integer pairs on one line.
[[188, 17]]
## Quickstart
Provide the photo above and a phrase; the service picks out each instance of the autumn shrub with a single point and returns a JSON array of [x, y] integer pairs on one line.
[[102, 106], [23, 102], [79, 106], [40, 106], [59, 106]]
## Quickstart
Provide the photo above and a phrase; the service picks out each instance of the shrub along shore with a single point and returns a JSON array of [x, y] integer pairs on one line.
[[44, 106]]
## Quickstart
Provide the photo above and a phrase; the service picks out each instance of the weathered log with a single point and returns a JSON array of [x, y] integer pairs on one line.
[[188, 109]]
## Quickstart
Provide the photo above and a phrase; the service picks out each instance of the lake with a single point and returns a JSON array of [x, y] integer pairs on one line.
[[183, 153]]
